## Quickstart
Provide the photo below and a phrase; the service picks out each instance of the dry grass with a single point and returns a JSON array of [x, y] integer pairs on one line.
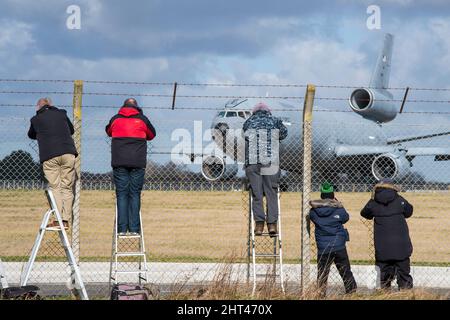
[[201, 226], [225, 287]]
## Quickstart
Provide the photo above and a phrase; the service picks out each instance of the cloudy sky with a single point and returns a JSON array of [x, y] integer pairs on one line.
[[212, 41], [224, 41]]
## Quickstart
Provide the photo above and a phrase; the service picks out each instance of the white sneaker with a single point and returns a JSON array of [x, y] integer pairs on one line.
[[121, 234]]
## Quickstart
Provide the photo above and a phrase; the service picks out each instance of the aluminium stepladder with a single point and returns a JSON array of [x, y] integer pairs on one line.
[[116, 255], [252, 254], [75, 270]]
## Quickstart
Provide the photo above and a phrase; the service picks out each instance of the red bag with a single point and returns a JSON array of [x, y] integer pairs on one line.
[[129, 292]]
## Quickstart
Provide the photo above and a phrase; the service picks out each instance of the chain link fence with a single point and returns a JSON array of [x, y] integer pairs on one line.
[[193, 226]]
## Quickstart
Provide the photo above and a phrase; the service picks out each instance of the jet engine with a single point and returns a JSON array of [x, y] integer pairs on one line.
[[214, 168], [373, 104], [390, 165]]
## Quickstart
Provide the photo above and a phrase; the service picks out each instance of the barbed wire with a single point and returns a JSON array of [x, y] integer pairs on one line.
[[158, 95], [192, 84], [213, 109], [217, 96]]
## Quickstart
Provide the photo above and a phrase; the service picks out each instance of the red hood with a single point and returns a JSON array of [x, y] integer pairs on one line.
[[128, 111]]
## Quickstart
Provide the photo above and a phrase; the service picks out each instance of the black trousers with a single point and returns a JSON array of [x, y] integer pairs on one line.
[[340, 259], [399, 269]]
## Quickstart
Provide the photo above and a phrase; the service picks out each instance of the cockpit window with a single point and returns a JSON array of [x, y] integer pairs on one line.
[[221, 114], [241, 114], [248, 113], [231, 114]]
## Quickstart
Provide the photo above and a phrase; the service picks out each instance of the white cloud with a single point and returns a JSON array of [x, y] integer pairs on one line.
[[321, 62], [57, 67], [15, 36]]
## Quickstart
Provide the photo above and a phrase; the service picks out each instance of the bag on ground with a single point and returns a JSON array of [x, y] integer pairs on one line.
[[129, 292]]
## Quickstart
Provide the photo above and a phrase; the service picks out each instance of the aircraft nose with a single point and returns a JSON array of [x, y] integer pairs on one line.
[[222, 127], [220, 130]]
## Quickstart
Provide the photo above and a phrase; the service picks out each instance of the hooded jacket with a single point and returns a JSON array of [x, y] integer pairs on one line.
[[129, 130], [329, 216], [53, 130], [258, 131], [391, 234]]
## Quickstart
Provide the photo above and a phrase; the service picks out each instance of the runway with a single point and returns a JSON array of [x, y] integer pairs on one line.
[[173, 274]]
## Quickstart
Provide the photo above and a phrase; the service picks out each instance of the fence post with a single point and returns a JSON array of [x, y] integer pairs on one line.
[[305, 276], [77, 96]]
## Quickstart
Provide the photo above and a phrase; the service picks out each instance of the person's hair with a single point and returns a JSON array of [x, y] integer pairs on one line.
[[46, 101], [130, 102]]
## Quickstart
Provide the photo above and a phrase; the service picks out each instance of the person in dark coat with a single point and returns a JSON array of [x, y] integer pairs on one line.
[[260, 132], [329, 216], [130, 130], [53, 131], [393, 247]]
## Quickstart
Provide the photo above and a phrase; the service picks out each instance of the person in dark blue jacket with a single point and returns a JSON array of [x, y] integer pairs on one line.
[[329, 216]]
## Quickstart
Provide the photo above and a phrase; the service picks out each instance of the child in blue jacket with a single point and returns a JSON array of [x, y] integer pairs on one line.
[[329, 216]]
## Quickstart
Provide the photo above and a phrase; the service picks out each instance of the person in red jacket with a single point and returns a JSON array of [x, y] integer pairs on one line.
[[130, 130]]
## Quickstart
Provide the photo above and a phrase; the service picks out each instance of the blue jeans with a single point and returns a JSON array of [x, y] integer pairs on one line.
[[129, 182]]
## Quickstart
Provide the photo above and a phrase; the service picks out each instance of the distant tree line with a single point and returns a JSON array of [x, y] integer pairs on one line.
[[20, 166]]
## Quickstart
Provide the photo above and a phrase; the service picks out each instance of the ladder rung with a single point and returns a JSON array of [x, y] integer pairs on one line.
[[129, 254], [267, 234], [51, 229], [266, 255], [128, 236], [131, 271]]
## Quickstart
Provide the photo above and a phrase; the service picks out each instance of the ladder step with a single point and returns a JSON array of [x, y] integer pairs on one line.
[[268, 255], [128, 236], [265, 234], [130, 254], [51, 229], [131, 271]]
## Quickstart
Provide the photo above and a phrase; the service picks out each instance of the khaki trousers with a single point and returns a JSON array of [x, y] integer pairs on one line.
[[60, 174]]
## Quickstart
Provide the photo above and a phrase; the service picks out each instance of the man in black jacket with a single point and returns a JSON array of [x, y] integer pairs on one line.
[[393, 246], [130, 130], [53, 131]]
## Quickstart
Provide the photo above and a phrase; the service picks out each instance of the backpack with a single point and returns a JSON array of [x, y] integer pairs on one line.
[[21, 293], [128, 291]]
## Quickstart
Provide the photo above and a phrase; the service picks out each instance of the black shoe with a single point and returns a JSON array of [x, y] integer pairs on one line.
[[272, 227], [259, 228]]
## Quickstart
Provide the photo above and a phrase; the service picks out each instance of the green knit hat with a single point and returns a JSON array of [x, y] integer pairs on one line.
[[326, 188]]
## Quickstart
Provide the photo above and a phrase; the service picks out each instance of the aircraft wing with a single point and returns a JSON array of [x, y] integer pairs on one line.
[[350, 150], [396, 140], [440, 154]]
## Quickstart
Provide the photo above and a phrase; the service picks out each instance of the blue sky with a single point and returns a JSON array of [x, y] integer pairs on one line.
[[290, 41]]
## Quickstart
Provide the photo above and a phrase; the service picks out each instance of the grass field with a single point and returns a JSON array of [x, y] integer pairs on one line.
[[207, 226]]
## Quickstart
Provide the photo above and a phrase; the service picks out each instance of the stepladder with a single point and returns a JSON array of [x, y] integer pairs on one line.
[[128, 257], [77, 285], [264, 252]]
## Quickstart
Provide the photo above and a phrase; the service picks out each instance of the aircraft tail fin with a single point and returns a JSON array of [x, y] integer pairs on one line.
[[380, 76]]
